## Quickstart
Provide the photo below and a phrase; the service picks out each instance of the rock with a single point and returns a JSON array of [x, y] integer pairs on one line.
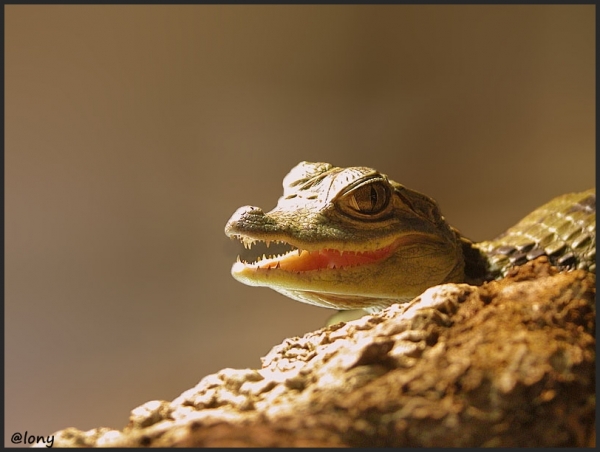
[[510, 363]]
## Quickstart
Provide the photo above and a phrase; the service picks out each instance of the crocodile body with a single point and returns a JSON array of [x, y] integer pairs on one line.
[[350, 238]]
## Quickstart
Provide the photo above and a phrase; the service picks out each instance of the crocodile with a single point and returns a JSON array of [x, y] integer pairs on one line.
[[351, 238]]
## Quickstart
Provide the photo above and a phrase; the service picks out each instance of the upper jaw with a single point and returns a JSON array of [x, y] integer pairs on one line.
[[250, 225], [305, 247]]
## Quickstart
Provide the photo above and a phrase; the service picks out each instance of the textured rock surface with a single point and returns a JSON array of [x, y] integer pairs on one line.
[[510, 363]]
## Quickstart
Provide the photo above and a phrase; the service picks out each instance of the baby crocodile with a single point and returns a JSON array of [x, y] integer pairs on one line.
[[354, 239]]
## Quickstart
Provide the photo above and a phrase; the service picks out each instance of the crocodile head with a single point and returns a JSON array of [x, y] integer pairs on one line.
[[352, 239]]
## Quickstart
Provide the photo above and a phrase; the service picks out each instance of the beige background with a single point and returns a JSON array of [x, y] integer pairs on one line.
[[134, 132]]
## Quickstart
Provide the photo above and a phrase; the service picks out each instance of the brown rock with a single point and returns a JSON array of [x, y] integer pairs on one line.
[[510, 363]]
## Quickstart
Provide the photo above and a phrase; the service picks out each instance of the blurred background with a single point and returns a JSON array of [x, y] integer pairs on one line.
[[134, 132]]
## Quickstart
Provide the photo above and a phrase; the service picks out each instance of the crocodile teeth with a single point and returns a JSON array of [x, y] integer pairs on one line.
[[246, 241], [259, 250]]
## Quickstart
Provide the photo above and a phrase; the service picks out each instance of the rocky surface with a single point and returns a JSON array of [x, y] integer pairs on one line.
[[509, 363]]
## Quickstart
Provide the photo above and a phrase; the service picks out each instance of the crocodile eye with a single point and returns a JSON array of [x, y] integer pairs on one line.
[[368, 199]]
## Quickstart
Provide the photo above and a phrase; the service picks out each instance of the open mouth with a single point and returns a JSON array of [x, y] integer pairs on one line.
[[274, 254]]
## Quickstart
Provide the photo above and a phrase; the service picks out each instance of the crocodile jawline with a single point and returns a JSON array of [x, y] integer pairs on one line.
[[303, 260]]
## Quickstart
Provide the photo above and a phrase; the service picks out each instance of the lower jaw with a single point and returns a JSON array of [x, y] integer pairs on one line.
[[338, 301]]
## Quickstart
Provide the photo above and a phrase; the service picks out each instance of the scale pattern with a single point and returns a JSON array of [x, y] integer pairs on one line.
[[563, 229]]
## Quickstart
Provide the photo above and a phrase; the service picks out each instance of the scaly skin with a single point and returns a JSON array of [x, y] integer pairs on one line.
[[362, 241]]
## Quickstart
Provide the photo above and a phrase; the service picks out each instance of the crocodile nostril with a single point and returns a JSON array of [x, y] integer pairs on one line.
[[253, 210], [244, 216]]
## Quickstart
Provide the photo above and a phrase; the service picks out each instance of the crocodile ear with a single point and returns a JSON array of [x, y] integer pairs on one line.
[[429, 208], [420, 204]]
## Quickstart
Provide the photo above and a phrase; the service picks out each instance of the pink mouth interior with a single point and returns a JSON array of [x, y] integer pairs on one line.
[[315, 260]]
